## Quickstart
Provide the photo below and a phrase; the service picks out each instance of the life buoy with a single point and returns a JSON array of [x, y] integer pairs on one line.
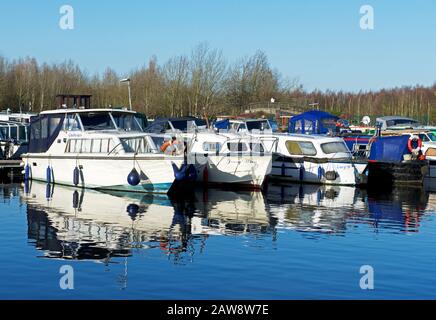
[[410, 144]]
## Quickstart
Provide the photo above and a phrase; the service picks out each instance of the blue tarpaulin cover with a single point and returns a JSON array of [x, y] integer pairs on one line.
[[222, 124], [389, 149], [314, 121]]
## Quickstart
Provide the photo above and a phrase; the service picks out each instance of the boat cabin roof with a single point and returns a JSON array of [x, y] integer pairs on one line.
[[388, 118], [82, 110]]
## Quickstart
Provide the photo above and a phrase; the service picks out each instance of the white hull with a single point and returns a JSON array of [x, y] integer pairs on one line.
[[311, 172], [102, 172], [243, 170]]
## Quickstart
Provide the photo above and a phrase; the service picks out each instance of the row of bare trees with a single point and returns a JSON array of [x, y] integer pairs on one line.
[[202, 82], [416, 102], [194, 84]]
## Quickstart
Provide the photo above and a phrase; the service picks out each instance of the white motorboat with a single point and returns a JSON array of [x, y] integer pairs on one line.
[[315, 159], [99, 149], [307, 158], [218, 158]]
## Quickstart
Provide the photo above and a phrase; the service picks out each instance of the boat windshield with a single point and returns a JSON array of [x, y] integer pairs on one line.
[[432, 136], [182, 125], [97, 121], [127, 121], [399, 122], [258, 125], [136, 145], [13, 131]]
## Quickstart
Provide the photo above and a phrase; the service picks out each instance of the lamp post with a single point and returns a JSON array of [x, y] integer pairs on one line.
[[128, 87]]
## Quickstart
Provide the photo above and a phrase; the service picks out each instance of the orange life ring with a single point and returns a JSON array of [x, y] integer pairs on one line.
[[410, 146]]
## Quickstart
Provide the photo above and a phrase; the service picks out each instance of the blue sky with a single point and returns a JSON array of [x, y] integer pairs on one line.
[[317, 41]]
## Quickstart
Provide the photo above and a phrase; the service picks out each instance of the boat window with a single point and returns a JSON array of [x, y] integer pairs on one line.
[[22, 133], [89, 145], [298, 126], [4, 132], [256, 147], [396, 122], [14, 132], [44, 128], [334, 147], [258, 125], [54, 122], [423, 137], [135, 145], [126, 121], [235, 126], [183, 125], [329, 124], [301, 148], [35, 130], [158, 141], [97, 121], [307, 148], [431, 136], [158, 127], [236, 146], [211, 146], [72, 123]]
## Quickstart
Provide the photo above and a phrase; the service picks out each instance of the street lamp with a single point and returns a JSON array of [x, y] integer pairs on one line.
[[128, 87]]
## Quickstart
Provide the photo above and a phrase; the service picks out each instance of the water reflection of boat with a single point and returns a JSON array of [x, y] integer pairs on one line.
[[227, 212], [72, 223], [80, 224], [312, 208], [400, 208], [328, 209]]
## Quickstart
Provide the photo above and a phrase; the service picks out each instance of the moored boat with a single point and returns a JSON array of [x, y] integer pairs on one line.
[[98, 149], [305, 158], [391, 159], [218, 158]]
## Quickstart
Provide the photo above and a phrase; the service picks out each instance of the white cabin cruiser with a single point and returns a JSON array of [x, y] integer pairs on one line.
[[306, 158], [98, 149], [218, 158], [229, 159], [315, 159]]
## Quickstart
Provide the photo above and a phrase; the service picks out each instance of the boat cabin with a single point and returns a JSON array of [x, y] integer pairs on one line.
[[395, 123], [46, 128], [243, 125], [162, 125], [316, 122]]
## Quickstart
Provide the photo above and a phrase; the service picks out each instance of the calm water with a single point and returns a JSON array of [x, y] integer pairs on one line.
[[290, 242]]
